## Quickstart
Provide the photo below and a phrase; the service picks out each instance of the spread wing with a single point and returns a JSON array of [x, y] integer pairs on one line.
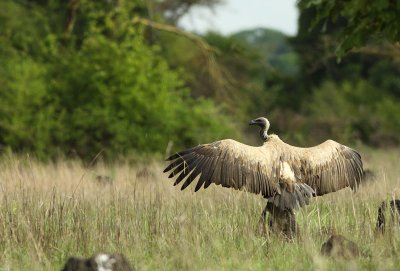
[[327, 167], [227, 163]]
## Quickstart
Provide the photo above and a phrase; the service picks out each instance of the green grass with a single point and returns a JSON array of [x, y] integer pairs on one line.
[[49, 212]]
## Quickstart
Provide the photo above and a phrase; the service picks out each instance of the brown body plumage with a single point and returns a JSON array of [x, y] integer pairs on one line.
[[286, 175]]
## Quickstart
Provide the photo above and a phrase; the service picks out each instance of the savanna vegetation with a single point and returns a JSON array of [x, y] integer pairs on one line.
[[81, 77], [49, 212], [93, 88]]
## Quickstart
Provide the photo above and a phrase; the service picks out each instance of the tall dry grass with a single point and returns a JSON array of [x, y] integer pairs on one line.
[[49, 212]]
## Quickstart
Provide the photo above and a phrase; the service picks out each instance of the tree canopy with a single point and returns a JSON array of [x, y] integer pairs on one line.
[[362, 21]]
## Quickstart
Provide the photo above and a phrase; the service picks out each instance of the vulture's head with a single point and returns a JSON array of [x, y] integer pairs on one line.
[[263, 123]]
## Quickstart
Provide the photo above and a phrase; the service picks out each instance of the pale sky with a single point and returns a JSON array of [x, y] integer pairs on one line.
[[236, 15]]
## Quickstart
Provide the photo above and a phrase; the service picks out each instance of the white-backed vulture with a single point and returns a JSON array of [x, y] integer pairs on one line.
[[286, 175]]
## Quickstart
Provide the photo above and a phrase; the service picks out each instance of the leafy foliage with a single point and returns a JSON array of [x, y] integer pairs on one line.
[[96, 90], [351, 111], [342, 99], [363, 20]]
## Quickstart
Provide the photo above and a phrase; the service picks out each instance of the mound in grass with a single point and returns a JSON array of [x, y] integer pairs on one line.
[[338, 246], [394, 219]]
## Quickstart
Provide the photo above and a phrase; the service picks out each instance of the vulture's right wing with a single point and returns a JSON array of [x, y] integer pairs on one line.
[[227, 163]]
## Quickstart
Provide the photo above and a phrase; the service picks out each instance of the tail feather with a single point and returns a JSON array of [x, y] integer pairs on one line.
[[291, 201], [299, 196]]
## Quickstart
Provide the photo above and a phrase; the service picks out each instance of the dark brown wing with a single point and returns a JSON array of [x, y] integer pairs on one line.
[[227, 163]]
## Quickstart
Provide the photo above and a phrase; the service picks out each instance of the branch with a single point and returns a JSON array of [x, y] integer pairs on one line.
[[71, 14], [221, 77], [172, 29], [387, 50]]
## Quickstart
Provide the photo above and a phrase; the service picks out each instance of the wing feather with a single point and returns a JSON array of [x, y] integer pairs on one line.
[[327, 167], [205, 175], [227, 163]]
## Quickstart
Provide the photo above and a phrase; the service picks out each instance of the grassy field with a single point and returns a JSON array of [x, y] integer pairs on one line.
[[49, 212]]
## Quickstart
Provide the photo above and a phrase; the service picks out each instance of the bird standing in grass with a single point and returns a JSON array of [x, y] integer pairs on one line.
[[285, 175]]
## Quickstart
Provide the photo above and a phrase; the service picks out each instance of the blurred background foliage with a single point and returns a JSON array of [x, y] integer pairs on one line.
[[78, 77]]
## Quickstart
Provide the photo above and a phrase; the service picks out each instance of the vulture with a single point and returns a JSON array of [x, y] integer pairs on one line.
[[285, 175]]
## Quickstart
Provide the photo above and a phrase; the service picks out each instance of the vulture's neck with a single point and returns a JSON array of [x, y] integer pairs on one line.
[[264, 133]]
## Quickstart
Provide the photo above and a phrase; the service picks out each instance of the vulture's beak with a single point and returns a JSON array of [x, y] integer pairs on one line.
[[253, 122]]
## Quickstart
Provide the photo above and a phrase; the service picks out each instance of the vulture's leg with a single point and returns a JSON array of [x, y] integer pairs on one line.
[[290, 228], [282, 222], [262, 222]]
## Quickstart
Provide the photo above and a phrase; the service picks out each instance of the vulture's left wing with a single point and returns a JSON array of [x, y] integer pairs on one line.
[[328, 167]]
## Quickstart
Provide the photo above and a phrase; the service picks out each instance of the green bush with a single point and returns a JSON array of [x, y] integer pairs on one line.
[[123, 97], [26, 119], [354, 111], [111, 93]]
